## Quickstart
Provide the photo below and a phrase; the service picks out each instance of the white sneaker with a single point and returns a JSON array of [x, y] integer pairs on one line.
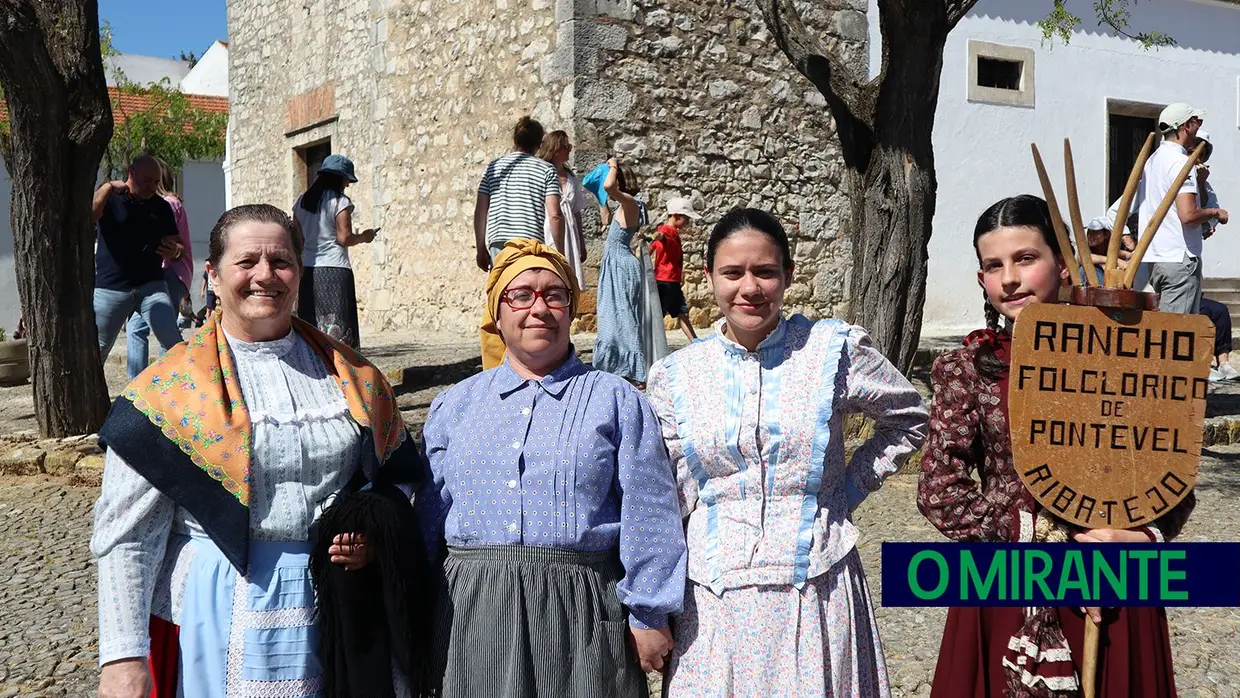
[[1216, 375], [1228, 373]]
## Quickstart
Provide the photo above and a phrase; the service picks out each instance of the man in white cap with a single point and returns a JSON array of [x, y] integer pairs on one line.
[[1175, 252], [669, 262]]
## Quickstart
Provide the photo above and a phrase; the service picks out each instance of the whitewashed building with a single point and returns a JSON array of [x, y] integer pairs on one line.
[[201, 183], [1004, 88]]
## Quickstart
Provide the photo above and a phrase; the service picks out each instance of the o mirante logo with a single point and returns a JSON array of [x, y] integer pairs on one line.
[[1023, 574]]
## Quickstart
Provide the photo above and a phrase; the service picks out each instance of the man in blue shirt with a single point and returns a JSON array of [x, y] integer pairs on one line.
[[136, 231]]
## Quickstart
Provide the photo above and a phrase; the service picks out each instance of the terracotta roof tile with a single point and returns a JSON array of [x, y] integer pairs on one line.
[[137, 102]]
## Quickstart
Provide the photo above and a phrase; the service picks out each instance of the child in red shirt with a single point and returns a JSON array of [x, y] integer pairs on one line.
[[669, 263]]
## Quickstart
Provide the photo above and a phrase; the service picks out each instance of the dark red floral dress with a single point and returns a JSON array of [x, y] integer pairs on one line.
[[970, 491]]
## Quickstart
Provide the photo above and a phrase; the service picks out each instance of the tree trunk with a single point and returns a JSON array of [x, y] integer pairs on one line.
[[52, 76], [893, 205], [885, 127], [893, 196]]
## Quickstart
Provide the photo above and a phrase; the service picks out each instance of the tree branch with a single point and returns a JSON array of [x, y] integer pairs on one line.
[[1112, 14], [822, 65], [851, 99], [957, 9]]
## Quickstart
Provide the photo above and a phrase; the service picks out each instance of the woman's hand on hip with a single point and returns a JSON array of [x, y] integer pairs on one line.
[[350, 551], [653, 646], [125, 678]]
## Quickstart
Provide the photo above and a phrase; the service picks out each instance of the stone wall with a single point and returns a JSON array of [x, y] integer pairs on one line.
[[460, 74], [421, 94], [697, 97]]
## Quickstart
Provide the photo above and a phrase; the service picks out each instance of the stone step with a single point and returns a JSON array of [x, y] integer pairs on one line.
[[1210, 285], [931, 348], [1228, 298]]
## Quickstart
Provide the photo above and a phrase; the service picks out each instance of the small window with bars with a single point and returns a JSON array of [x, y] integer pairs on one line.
[[1000, 74]]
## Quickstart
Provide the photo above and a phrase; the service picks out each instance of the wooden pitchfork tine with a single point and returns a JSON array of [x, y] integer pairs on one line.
[[1113, 277], [1056, 219], [1152, 226], [1074, 210]]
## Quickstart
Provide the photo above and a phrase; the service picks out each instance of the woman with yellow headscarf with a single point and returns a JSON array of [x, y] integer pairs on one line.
[[552, 493]]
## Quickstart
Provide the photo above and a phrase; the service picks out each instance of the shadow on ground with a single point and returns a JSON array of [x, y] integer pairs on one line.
[[417, 378], [1226, 479], [1221, 401]]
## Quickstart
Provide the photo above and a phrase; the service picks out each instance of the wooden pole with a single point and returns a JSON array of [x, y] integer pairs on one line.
[[1089, 663], [1125, 207], [1152, 226], [1083, 253], [1056, 219]]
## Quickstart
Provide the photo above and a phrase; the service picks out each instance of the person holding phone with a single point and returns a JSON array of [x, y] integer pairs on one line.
[[327, 297], [137, 231]]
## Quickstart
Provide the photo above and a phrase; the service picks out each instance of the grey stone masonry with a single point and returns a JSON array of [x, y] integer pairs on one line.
[[695, 96]]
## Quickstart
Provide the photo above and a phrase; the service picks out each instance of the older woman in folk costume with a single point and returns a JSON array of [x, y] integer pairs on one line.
[[777, 603], [220, 459], [552, 491]]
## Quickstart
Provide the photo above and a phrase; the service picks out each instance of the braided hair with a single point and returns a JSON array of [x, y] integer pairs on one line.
[[1024, 211]]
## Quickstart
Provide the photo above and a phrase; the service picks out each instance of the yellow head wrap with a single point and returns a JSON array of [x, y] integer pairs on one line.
[[518, 256]]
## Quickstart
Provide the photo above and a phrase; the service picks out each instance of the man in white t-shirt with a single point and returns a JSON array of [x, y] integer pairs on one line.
[[1175, 252]]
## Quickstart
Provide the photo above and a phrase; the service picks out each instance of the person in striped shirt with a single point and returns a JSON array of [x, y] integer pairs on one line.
[[518, 196]]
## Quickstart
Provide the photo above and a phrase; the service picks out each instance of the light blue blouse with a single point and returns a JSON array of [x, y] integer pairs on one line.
[[574, 460]]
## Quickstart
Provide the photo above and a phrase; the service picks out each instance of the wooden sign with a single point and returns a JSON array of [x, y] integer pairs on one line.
[[1107, 407]]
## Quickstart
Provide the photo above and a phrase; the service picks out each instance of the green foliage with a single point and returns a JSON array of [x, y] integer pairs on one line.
[[164, 123], [1114, 14]]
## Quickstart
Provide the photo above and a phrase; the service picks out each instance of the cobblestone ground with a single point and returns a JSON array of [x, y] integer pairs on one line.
[[47, 584]]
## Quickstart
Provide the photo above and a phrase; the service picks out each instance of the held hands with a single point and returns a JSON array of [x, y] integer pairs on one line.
[[1106, 535], [125, 678], [350, 551], [170, 247], [653, 645]]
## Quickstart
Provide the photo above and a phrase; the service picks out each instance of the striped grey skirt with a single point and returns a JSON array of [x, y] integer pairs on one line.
[[523, 621], [327, 299]]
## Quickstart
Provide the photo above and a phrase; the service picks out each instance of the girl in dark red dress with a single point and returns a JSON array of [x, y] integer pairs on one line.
[[1018, 652]]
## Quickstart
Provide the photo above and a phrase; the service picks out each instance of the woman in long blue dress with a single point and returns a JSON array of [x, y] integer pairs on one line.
[[618, 347]]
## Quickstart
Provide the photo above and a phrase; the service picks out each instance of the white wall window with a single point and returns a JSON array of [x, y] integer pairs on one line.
[[1000, 74]]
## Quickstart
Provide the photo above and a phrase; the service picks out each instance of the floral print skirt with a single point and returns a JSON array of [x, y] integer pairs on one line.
[[327, 299], [780, 641]]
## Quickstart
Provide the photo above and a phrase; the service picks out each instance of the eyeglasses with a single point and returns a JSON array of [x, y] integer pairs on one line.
[[556, 298]]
